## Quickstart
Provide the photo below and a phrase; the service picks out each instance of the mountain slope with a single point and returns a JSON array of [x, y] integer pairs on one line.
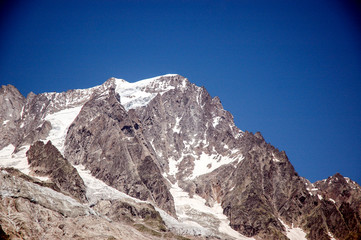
[[166, 141]]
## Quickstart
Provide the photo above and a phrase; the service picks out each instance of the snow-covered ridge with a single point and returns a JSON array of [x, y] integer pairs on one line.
[[140, 93]]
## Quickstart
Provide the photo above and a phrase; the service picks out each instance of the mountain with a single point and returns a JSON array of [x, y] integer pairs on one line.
[[155, 159]]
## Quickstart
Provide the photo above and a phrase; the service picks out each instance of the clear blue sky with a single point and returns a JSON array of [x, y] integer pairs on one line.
[[290, 69]]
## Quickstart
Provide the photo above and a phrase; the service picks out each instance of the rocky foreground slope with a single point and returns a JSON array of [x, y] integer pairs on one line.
[[155, 159]]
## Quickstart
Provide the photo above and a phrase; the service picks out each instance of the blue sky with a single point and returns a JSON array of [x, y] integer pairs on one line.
[[290, 69]]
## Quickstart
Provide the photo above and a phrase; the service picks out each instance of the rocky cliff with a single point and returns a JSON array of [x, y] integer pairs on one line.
[[45, 160]]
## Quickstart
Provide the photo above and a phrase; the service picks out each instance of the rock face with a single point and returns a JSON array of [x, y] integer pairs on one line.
[[161, 140], [45, 160], [343, 194], [263, 192], [31, 211], [11, 105], [108, 140], [185, 124]]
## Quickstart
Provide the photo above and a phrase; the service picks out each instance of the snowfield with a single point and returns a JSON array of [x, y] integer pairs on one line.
[[16, 160]]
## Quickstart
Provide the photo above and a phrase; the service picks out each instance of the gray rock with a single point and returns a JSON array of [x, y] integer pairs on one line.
[[108, 140], [45, 160]]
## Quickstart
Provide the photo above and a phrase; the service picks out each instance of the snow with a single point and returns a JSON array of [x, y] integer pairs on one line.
[[195, 212], [60, 122], [331, 236], [97, 190], [43, 195], [176, 127], [16, 160], [140, 93], [203, 163], [216, 121], [294, 233], [207, 163], [44, 179], [173, 167], [274, 159], [319, 196], [5, 122]]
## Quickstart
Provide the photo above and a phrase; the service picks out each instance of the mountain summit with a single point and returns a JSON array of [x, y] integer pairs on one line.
[[154, 159]]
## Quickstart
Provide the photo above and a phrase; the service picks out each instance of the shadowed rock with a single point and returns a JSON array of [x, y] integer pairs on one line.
[[46, 160]]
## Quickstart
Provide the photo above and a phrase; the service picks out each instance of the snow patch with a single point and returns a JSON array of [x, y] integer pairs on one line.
[[274, 159], [173, 167], [5, 122], [319, 196], [176, 127], [294, 233], [331, 236], [44, 179], [207, 163], [216, 121]]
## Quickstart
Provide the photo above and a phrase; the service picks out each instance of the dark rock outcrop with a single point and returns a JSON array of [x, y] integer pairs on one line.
[[46, 160]]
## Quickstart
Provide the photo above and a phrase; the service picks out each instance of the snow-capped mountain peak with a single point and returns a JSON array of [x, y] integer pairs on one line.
[[167, 142], [140, 93]]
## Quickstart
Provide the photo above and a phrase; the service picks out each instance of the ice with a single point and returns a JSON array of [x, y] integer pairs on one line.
[[16, 160], [60, 122], [294, 233]]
